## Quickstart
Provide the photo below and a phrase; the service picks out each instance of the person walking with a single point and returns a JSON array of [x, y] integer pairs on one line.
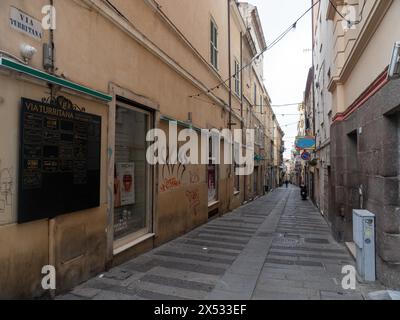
[[287, 183]]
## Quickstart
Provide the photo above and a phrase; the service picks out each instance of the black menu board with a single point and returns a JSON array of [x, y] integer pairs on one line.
[[59, 161]]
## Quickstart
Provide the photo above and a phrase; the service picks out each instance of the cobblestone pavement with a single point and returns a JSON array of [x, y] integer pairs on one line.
[[275, 248]]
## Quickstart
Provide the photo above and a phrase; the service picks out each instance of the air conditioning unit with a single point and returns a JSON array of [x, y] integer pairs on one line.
[[364, 238]]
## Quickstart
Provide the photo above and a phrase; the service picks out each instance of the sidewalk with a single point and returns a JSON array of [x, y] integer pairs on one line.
[[277, 247]]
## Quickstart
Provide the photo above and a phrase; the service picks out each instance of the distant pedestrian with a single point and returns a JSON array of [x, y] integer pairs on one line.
[[287, 183]]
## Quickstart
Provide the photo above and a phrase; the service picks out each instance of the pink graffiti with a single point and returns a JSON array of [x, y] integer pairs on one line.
[[169, 184]]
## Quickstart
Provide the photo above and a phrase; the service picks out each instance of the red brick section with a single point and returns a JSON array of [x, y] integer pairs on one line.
[[378, 84]]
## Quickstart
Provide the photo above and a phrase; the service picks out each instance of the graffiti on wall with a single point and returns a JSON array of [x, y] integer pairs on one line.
[[6, 190], [193, 197], [169, 184], [173, 170], [194, 177], [171, 176]]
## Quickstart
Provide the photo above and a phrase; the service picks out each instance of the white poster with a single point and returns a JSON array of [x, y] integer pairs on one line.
[[125, 183]]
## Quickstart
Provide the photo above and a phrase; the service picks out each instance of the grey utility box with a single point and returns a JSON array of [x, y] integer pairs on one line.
[[364, 238]]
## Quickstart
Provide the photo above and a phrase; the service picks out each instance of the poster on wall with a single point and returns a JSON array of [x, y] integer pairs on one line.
[[124, 184]]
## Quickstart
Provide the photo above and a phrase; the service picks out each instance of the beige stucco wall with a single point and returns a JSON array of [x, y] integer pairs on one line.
[[24, 251], [376, 55], [26, 248], [148, 58], [369, 43]]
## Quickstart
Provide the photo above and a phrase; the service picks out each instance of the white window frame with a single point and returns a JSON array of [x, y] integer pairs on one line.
[[238, 83], [255, 94], [214, 43]]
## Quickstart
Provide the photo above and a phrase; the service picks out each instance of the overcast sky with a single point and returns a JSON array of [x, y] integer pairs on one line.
[[287, 64]]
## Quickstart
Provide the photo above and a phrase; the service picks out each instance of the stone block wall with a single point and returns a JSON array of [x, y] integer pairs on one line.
[[366, 153]]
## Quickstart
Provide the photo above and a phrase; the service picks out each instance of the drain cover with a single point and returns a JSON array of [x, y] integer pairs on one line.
[[289, 241]]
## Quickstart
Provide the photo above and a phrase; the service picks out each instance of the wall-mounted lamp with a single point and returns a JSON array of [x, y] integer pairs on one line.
[[27, 52], [394, 67]]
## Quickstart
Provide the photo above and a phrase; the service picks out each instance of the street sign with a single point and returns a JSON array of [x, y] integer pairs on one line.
[[306, 156]]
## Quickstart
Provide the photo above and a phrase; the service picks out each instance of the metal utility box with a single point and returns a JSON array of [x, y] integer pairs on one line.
[[364, 238]]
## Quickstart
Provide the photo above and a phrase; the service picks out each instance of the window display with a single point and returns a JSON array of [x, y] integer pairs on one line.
[[131, 173]]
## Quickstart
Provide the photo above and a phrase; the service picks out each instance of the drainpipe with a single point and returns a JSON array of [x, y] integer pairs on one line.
[[361, 193], [52, 66], [52, 69], [52, 224], [241, 104], [230, 64], [241, 79], [230, 83]]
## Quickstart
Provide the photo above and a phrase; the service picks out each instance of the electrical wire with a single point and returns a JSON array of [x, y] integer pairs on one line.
[[117, 11], [290, 124], [265, 113], [286, 105], [254, 111], [276, 41], [269, 47]]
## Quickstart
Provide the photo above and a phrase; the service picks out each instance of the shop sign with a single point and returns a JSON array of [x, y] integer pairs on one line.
[[24, 23], [59, 160], [305, 143]]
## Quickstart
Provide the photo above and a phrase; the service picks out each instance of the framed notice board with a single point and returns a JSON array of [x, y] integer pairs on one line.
[[59, 161]]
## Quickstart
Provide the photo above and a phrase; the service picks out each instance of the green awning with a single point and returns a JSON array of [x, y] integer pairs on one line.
[[180, 123], [19, 67]]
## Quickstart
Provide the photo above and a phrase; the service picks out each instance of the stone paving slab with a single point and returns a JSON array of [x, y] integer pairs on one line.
[[275, 248]]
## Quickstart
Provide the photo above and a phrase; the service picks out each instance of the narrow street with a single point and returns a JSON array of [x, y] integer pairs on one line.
[[277, 247]]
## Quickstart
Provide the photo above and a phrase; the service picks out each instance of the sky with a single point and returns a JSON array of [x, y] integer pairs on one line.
[[287, 64]]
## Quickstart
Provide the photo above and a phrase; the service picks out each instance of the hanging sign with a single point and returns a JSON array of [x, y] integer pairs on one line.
[[305, 143]]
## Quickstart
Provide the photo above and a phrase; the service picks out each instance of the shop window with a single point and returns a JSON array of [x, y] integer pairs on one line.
[[131, 174], [212, 177]]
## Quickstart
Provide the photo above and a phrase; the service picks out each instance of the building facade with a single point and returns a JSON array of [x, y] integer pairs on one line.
[[358, 106], [322, 61], [81, 106]]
